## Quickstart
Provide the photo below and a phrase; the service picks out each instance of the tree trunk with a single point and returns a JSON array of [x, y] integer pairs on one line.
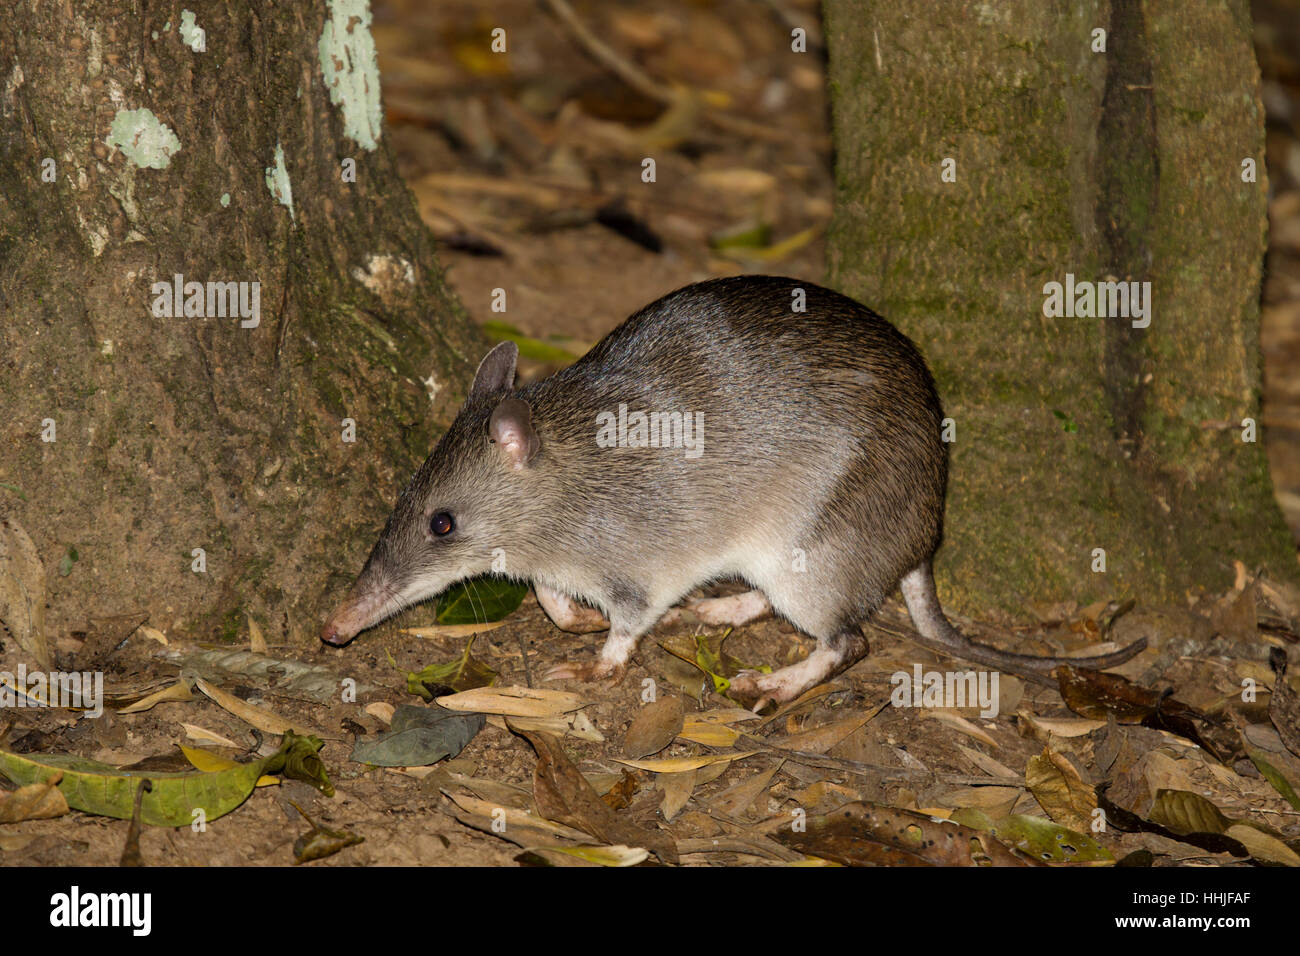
[[137, 148], [1083, 433]]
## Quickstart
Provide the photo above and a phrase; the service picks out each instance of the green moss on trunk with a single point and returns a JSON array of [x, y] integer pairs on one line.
[[1053, 177]]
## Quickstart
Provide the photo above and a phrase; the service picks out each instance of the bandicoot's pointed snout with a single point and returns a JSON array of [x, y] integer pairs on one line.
[[347, 620], [333, 633]]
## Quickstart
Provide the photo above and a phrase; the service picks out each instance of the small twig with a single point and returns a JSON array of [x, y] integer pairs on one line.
[[643, 83], [890, 774], [831, 763], [628, 72], [770, 850], [523, 654]]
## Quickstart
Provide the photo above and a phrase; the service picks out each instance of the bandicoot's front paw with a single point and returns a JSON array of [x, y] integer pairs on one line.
[[590, 671]]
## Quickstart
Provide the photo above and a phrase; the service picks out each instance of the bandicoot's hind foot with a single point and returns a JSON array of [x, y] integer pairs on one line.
[[784, 685]]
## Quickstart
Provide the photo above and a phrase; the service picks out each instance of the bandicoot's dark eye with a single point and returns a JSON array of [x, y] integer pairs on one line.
[[441, 524]]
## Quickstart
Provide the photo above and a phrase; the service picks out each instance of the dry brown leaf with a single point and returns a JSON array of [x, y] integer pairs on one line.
[[563, 795], [724, 715], [1263, 846], [516, 818], [179, 691], [513, 701], [993, 768], [576, 724], [22, 591], [1162, 772], [814, 796], [742, 182], [263, 718], [821, 739], [951, 718], [1060, 791], [256, 640], [14, 842], [153, 634], [452, 630], [618, 793], [195, 732], [995, 801], [709, 734], [655, 726], [37, 801], [1061, 726], [492, 791], [737, 798], [677, 788]]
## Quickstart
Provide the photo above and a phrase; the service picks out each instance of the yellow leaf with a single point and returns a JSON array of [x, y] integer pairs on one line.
[[209, 762], [682, 764], [177, 691]]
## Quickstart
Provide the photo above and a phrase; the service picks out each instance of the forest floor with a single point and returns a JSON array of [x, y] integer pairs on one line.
[[528, 170]]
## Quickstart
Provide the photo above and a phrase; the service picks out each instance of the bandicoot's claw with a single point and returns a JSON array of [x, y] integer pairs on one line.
[[762, 689]]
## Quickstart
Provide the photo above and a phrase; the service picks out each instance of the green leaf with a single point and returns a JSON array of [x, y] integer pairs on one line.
[[528, 347], [420, 736], [1185, 812], [705, 652], [1274, 776], [746, 235], [67, 561], [1045, 840], [14, 488], [1068, 422], [106, 791], [602, 855], [480, 601], [464, 673], [320, 842]]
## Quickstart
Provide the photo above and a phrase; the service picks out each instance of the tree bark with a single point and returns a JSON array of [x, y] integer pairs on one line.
[[1072, 434], [136, 148]]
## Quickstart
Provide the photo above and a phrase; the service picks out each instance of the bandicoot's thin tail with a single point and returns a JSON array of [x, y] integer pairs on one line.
[[938, 634]]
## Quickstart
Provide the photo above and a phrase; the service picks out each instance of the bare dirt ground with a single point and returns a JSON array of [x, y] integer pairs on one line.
[[528, 169]]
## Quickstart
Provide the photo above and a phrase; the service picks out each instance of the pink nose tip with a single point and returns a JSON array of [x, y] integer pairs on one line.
[[332, 634]]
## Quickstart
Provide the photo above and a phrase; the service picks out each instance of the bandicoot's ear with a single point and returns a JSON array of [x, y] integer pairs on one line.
[[496, 373], [511, 427]]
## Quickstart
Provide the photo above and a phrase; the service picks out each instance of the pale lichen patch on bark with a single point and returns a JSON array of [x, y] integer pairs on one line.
[[277, 181], [191, 34], [350, 67], [143, 139]]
